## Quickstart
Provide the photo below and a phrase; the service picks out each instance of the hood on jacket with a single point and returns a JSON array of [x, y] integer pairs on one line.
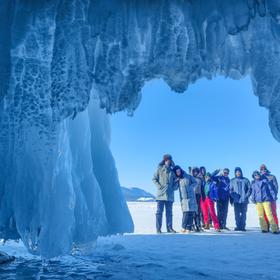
[[202, 169], [208, 174], [195, 170], [177, 167], [238, 169], [256, 173]]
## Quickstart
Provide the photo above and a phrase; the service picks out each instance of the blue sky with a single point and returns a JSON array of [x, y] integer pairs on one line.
[[215, 123]]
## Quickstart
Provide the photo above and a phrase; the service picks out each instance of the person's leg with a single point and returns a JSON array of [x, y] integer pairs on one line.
[[274, 212], [168, 213], [219, 212], [269, 215], [244, 208], [160, 206], [260, 210], [190, 218], [204, 209], [185, 220], [225, 213], [211, 207], [201, 212], [197, 216], [237, 211], [222, 209]]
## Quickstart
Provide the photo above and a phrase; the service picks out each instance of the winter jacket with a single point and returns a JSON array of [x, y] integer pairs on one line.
[[262, 191], [203, 183], [198, 187], [187, 185], [240, 190], [223, 184], [165, 181], [211, 190], [272, 179]]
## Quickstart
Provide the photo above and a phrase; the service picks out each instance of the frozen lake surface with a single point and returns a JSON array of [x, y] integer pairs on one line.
[[144, 255]]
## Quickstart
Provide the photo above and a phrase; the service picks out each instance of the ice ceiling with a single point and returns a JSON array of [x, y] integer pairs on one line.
[[60, 60]]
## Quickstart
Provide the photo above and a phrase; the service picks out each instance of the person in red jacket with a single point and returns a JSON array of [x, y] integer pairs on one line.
[[273, 181]]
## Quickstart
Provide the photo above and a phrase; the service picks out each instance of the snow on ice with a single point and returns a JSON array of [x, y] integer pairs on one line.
[[145, 255]]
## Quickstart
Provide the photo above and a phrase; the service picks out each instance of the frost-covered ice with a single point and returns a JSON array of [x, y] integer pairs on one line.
[[58, 183], [64, 196], [144, 255]]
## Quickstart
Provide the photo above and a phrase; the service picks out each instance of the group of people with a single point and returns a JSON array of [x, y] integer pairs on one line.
[[200, 191]]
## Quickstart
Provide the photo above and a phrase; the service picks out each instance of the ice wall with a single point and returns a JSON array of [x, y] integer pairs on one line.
[[59, 187], [61, 193]]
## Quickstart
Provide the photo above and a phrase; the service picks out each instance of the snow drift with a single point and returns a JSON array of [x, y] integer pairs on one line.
[[59, 187]]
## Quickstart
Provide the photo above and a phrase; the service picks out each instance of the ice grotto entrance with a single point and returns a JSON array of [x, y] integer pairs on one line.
[[55, 52], [216, 123]]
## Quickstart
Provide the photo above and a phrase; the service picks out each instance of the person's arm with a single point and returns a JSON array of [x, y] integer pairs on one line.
[[231, 187], [275, 183], [249, 189], [227, 185], [156, 179], [272, 190], [253, 195], [193, 182], [215, 173], [231, 192], [213, 191], [175, 183]]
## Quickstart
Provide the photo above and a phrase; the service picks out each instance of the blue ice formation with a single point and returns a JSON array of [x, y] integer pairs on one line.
[[64, 64]]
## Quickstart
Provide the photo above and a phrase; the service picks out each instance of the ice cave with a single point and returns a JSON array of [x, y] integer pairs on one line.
[[66, 65]]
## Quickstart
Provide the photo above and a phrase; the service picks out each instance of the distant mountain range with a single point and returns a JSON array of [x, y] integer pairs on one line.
[[136, 194]]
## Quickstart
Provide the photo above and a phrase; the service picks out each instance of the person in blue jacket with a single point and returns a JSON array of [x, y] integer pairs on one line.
[[221, 177], [240, 191]]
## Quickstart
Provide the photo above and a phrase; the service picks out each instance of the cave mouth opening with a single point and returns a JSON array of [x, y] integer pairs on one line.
[[216, 123]]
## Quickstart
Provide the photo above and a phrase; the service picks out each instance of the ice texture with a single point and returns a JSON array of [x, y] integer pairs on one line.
[[63, 62]]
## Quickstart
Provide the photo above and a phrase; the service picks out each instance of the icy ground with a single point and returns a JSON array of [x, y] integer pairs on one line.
[[144, 255]]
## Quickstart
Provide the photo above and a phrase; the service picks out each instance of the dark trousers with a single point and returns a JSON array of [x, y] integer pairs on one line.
[[240, 212], [187, 220], [222, 212], [168, 213], [198, 214]]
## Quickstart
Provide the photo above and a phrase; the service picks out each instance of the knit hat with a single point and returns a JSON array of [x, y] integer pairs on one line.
[[195, 170], [256, 173], [226, 170], [208, 174]]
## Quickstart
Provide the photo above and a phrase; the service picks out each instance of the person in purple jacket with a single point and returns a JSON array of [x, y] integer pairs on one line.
[[263, 194]]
